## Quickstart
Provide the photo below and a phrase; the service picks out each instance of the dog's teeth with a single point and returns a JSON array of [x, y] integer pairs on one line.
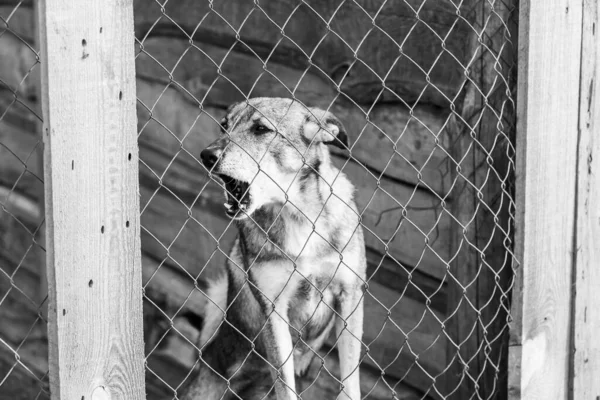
[[227, 206]]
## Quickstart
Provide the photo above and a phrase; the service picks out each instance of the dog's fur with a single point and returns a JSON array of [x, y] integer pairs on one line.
[[297, 267]]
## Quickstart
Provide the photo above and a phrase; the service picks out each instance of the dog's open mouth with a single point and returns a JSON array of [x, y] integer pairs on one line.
[[237, 193]]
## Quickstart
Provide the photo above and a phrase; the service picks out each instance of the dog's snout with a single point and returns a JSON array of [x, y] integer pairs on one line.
[[210, 156]]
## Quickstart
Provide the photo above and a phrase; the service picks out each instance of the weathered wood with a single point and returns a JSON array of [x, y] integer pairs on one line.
[[480, 272], [418, 157], [92, 204], [547, 145], [405, 49], [586, 323], [170, 149], [516, 311], [514, 372]]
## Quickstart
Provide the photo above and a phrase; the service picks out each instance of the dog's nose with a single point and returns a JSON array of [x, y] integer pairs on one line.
[[210, 156]]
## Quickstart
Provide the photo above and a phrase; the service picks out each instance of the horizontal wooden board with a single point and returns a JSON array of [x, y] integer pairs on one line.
[[397, 217], [393, 139], [407, 48]]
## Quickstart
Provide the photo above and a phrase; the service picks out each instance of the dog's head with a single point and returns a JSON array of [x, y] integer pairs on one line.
[[267, 146]]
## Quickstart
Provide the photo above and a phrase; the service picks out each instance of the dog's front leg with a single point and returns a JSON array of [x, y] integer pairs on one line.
[[349, 329], [278, 341], [277, 282]]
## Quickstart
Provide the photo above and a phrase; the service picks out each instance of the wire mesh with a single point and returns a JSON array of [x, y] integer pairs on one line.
[[23, 339], [426, 91]]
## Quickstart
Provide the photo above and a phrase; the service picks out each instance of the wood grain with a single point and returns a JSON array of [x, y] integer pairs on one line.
[[515, 342], [420, 153], [406, 47], [92, 203], [586, 322], [547, 171]]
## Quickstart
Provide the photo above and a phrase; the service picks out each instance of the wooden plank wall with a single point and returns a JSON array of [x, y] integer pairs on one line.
[[91, 180]]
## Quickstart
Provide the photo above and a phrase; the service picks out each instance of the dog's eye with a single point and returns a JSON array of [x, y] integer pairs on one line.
[[260, 129], [224, 124]]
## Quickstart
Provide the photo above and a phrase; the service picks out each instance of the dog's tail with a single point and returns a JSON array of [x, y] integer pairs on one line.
[[215, 308]]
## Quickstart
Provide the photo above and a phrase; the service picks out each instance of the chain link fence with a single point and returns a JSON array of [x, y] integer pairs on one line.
[[426, 90], [23, 343]]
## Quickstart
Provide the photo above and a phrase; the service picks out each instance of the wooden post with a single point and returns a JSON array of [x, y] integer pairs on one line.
[[586, 360], [548, 101], [482, 146], [92, 200]]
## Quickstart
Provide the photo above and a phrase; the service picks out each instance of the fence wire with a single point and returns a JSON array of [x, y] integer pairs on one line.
[[23, 339], [426, 92]]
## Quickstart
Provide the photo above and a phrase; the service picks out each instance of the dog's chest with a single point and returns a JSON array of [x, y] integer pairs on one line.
[[311, 306], [304, 240]]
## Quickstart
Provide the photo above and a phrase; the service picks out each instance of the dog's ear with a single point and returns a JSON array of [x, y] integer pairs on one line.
[[323, 126]]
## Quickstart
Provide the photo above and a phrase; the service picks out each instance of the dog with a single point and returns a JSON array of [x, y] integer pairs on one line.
[[297, 267]]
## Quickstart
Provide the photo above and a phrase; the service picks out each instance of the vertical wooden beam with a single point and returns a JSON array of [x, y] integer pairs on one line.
[[586, 360], [516, 327], [480, 273], [42, 291], [92, 199], [548, 100]]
